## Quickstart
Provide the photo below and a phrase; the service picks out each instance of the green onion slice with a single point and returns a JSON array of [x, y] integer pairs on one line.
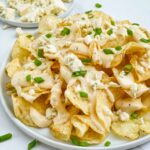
[[108, 51], [97, 31], [77, 142], [37, 62], [38, 80], [5, 137], [128, 68], [110, 32], [81, 73], [98, 5], [32, 144], [83, 94], [145, 40], [28, 77], [65, 31], [107, 143]]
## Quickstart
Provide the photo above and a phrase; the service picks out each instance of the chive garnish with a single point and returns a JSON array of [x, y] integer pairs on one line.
[[83, 94], [28, 77], [110, 32], [98, 5], [128, 68], [112, 23], [107, 143], [108, 51], [38, 80], [65, 31], [145, 40], [32, 144], [97, 31], [118, 48], [86, 60], [134, 115], [81, 73], [29, 36], [37, 62], [49, 35], [129, 32], [77, 142], [5, 137], [40, 53], [136, 24]]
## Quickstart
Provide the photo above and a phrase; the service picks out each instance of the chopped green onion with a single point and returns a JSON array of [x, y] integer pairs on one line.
[[65, 31], [77, 142], [89, 33], [83, 94], [90, 15], [81, 73], [5, 137], [87, 12], [136, 24], [49, 35], [129, 32], [97, 31], [38, 80], [112, 23], [29, 36], [37, 62], [110, 32], [98, 5], [128, 68], [86, 60], [107, 143], [118, 48], [134, 115], [145, 40], [28, 78], [40, 53], [32, 144], [108, 51]]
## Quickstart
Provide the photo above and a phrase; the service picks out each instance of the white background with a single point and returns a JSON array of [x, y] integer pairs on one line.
[[134, 10]]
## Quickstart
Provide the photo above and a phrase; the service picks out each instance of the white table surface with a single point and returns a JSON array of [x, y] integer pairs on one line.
[[134, 10]]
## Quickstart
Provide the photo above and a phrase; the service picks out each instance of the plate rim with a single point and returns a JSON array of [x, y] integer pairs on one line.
[[51, 142]]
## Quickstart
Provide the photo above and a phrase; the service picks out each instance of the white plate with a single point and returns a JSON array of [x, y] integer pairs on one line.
[[35, 25], [44, 135], [142, 9]]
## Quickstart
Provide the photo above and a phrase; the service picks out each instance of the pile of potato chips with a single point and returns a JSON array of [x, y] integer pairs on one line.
[[82, 77]]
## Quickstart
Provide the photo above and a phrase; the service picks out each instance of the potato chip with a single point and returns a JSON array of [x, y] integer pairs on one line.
[[128, 130], [39, 119], [79, 127], [62, 131], [22, 111], [129, 104], [20, 53], [13, 67], [145, 128], [76, 101], [92, 137]]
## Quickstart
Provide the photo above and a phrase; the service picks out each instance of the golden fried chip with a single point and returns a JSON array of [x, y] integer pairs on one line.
[[22, 111], [22, 108], [79, 127], [62, 131], [145, 128], [92, 137], [13, 67], [128, 130]]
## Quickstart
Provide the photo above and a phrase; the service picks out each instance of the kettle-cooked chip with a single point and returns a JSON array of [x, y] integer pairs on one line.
[[13, 67], [62, 131], [128, 130]]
